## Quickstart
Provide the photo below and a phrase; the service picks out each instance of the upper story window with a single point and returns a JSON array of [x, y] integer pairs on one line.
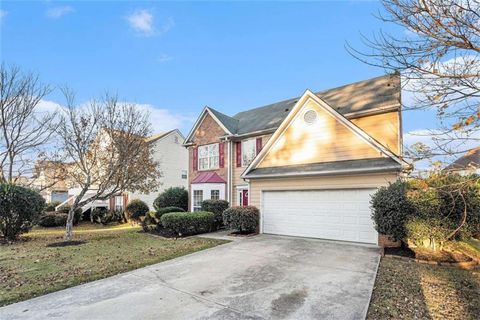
[[208, 157], [184, 174], [249, 151]]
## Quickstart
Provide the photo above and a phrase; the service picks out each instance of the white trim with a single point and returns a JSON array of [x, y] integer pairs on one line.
[[201, 118], [309, 95]]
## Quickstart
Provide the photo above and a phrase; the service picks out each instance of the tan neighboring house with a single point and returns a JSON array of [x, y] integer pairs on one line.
[[309, 163], [168, 152], [49, 178], [467, 164]]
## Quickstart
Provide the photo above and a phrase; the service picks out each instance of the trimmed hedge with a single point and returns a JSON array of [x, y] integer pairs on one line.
[[49, 207], [160, 212], [172, 197], [136, 209], [189, 223], [19, 209], [243, 219], [217, 207], [58, 219]]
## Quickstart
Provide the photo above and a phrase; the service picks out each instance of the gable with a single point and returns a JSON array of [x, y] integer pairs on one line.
[[207, 131], [325, 140], [383, 127]]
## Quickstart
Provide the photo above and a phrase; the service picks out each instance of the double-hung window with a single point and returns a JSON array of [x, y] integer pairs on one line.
[[197, 200], [249, 151], [208, 157], [215, 194], [118, 202]]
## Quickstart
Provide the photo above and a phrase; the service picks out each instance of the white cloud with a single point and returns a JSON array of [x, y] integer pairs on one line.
[[142, 21], [164, 58], [164, 119], [48, 106], [58, 12]]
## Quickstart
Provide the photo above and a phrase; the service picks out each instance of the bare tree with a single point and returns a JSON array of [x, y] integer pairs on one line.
[[105, 143], [438, 56], [24, 129]]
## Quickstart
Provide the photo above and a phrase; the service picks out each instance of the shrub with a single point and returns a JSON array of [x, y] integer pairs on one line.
[[217, 207], [47, 220], [49, 207], [160, 212], [243, 219], [19, 209], [188, 223], [427, 232], [58, 219], [136, 209], [391, 208], [172, 197]]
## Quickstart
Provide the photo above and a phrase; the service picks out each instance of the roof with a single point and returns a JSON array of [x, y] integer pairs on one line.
[[328, 168], [208, 177], [161, 135], [378, 94], [468, 161]]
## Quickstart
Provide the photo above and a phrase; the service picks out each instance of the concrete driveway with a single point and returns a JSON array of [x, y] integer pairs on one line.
[[263, 277]]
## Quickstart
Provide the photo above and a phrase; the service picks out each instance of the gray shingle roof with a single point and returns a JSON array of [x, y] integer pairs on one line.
[[468, 161], [327, 168], [376, 93]]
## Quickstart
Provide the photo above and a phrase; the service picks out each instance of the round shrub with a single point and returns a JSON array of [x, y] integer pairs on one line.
[[160, 212], [217, 207], [47, 220], [188, 223], [136, 209], [243, 219], [172, 197], [19, 208], [391, 208], [49, 207], [427, 232]]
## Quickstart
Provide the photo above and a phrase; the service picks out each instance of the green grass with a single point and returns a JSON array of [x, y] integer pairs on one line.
[[28, 268], [409, 290]]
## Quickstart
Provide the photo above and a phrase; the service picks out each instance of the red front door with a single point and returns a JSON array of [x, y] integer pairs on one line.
[[244, 198]]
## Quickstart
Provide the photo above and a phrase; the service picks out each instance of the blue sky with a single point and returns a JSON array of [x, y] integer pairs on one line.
[[173, 58]]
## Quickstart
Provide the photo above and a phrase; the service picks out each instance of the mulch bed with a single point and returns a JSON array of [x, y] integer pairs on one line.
[[65, 244]]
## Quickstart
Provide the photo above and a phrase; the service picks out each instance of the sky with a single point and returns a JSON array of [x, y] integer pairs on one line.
[[174, 58]]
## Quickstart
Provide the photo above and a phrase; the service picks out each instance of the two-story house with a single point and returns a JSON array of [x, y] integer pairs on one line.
[[310, 164]]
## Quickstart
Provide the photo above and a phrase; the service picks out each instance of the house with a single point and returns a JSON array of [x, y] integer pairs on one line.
[[173, 160], [309, 163], [469, 163], [49, 178]]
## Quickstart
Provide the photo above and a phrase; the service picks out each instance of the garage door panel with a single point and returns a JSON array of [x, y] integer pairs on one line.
[[327, 214]]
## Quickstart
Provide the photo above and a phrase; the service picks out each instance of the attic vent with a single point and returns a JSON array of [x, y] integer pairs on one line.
[[310, 117]]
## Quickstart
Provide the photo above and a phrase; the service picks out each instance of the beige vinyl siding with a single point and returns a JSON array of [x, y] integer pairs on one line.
[[237, 171], [325, 140], [257, 186], [383, 127]]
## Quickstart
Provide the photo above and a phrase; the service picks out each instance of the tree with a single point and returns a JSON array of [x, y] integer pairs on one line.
[[24, 129], [105, 143], [438, 57]]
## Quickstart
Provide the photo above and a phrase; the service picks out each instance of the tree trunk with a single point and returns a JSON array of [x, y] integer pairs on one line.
[[69, 226]]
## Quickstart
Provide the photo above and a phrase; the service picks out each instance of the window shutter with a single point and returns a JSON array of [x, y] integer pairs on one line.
[[221, 159], [259, 145], [112, 203], [239, 153], [195, 158]]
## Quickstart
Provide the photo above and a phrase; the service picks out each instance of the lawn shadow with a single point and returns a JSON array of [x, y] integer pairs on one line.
[[65, 244]]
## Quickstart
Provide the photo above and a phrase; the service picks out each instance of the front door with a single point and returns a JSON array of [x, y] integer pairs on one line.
[[244, 198]]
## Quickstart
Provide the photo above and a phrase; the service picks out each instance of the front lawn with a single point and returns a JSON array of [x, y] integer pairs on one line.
[[29, 268], [409, 290]]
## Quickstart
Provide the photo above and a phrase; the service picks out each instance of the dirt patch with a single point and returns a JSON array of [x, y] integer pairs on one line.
[[65, 244]]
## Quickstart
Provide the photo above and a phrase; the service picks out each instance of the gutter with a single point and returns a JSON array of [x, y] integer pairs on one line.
[[322, 173]]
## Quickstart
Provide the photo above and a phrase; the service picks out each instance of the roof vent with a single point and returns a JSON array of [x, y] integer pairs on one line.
[[286, 109], [310, 117]]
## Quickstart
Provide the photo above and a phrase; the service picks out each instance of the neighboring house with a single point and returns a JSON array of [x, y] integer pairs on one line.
[[173, 159], [467, 164], [49, 178], [173, 162], [309, 163]]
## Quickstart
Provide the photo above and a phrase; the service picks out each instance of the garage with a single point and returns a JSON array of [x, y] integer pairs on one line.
[[336, 214]]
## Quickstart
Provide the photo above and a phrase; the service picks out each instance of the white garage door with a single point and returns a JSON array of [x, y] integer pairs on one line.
[[326, 214]]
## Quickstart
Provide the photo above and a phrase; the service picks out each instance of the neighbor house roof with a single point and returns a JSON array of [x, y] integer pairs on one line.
[[161, 135], [328, 168], [377, 95], [468, 161]]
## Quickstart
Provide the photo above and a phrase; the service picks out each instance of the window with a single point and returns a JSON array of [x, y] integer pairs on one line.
[[208, 157], [249, 151], [118, 202], [184, 174], [197, 200], [215, 194]]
